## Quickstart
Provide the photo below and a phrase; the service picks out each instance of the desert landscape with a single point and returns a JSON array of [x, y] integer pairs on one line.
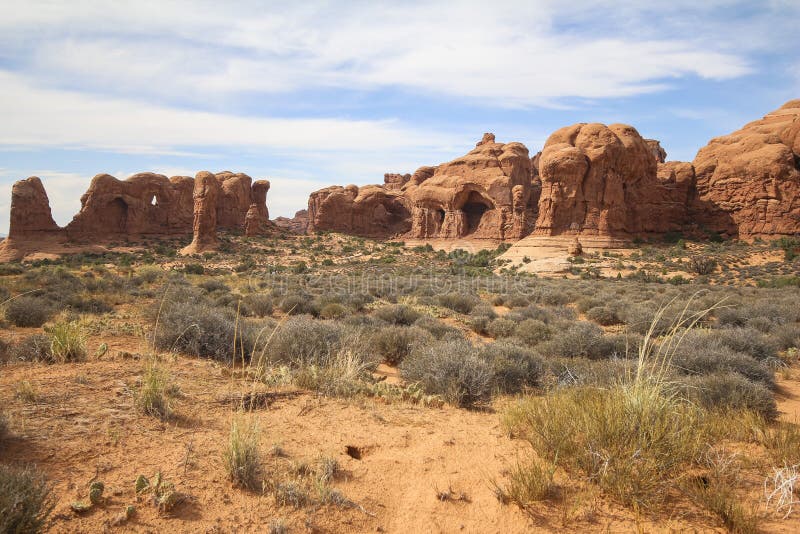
[[559, 357], [555, 327]]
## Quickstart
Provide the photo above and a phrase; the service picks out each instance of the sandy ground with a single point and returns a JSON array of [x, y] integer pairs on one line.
[[83, 427]]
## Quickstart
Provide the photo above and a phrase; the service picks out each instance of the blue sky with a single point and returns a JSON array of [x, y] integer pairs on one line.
[[322, 93]]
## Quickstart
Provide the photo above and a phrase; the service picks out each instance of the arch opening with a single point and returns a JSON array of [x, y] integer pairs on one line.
[[440, 215], [474, 208], [118, 215]]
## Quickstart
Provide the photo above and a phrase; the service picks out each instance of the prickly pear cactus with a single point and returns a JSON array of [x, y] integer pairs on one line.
[[80, 507], [142, 484], [96, 492], [167, 497]]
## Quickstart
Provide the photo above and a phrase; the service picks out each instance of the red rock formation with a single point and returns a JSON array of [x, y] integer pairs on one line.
[[207, 192], [31, 220], [370, 211], [485, 194], [257, 221], [234, 200], [144, 204], [658, 151], [603, 180], [297, 224], [748, 182], [395, 182]]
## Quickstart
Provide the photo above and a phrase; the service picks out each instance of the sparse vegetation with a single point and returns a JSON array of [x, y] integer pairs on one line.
[[242, 455], [26, 499]]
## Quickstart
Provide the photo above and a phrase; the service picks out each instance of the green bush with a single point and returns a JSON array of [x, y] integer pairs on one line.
[[28, 311], [26, 499], [451, 368]]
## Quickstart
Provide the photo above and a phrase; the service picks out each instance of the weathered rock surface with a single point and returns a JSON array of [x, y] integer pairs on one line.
[[603, 180], [297, 224], [31, 220], [370, 211], [146, 204], [484, 194], [257, 221], [748, 182], [658, 151], [207, 191]]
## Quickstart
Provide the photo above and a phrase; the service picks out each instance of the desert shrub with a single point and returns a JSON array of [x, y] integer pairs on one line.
[[241, 455], [67, 342], [304, 341], [393, 343], [397, 314], [587, 303], [536, 312], [747, 341], [615, 346], [149, 274], [333, 310], [500, 328], [603, 316], [730, 391], [532, 332], [786, 336], [516, 301], [214, 285], [451, 368], [479, 324], [199, 329], [193, 268], [33, 348], [702, 354], [257, 305], [28, 311], [513, 368], [460, 302], [297, 304], [437, 328], [702, 265], [26, 499], [575, 340]]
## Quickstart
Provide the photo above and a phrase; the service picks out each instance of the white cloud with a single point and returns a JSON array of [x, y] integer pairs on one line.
[[506, 53], [45, 117]]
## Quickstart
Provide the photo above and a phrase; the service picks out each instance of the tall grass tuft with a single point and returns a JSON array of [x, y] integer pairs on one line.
[[633, 439], [67, 342], [241, 456], [153, 396]]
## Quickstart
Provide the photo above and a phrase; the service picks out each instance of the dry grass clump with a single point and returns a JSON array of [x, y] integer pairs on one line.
[[26, 499], [528, 482], [153, 396], [242, 456], [67, 342]]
